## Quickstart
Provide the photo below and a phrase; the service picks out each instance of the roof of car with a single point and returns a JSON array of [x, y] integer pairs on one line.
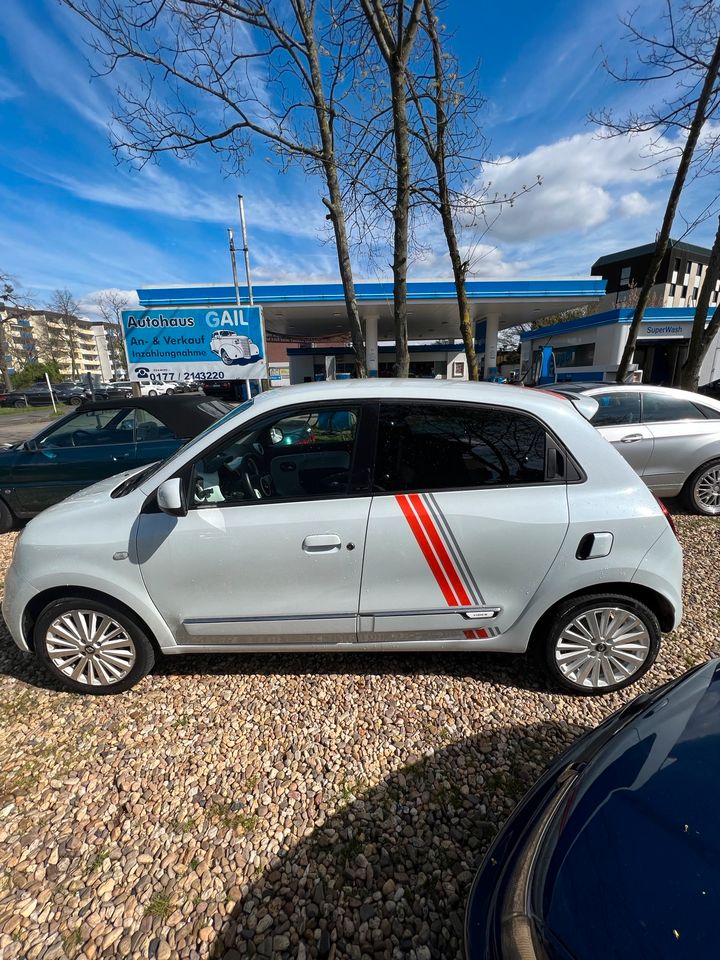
[[186, 415]]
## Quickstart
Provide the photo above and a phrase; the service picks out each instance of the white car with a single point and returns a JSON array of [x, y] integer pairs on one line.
[[233, 347], [359, 515], [670, 437]]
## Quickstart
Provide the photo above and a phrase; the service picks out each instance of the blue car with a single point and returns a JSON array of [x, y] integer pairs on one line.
[[615, 852]]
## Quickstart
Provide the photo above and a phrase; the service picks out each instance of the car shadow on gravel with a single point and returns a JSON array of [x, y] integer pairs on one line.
[[388, 875], [507, 670]]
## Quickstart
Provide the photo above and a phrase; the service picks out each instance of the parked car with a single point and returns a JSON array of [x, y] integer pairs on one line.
[[416, 515], [101, 438], [38, 395], [614, 852], [670, 437], [233, 347], [112, 389]]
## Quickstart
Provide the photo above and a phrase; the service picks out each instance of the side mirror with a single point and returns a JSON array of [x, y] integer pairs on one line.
[[171, 497], [31, 446]]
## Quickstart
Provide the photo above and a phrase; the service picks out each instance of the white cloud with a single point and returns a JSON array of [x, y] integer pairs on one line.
[[634, 205], [584, 183]]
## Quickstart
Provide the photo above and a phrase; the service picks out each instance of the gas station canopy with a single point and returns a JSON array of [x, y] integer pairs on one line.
[[317, 310]]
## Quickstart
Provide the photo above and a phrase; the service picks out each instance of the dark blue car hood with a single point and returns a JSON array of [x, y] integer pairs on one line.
[[633, 868]]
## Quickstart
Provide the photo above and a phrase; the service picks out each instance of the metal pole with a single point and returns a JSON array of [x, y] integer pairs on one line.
[[52, 395], [263, 384], [245, 248], [231, 240]]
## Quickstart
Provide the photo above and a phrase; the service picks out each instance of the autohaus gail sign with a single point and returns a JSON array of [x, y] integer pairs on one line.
[[187, 343]]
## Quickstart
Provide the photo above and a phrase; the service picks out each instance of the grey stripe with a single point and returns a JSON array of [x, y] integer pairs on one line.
[[289, 618], [454, 549]]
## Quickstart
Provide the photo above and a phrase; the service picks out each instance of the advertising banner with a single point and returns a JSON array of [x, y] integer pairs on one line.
[[172, 344]]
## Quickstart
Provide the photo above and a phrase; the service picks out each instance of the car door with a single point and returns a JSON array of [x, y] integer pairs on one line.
[[619, 419], [271, 549], [679, 431], [464, 523], [74, 453]]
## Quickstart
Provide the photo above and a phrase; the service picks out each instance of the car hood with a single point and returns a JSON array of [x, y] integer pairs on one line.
[[632, 867]]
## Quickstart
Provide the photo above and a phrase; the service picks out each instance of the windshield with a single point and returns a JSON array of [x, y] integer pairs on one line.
[[137, 479]]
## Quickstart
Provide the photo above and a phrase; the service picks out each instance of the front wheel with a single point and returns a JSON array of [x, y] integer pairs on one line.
[[600, 643], [19, 403], [75, 401], [91, 647], [702, 491]]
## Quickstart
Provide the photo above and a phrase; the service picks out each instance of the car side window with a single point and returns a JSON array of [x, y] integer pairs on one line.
[[308, 454], [148, 427], [659, 407], [616, 408], [443, 446], [91, 428]]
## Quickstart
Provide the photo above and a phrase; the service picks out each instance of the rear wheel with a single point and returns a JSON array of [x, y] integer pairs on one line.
[[91, 647], [75, 401], [600, 643], [19, 403], [152, 393], [702, 490]]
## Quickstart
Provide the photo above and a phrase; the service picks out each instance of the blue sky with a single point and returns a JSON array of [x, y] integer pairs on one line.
[[70, 216]]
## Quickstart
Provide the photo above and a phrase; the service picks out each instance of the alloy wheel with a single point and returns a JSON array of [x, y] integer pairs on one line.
[[601, 647], [90, 647], [706, 490]]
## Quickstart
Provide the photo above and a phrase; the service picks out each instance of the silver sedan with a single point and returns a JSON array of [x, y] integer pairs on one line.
[[670, 437]]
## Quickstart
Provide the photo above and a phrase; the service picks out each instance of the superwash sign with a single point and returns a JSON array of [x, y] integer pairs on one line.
[[188, 343]]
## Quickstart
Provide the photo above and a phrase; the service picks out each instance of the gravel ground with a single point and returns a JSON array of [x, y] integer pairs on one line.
[[281, 806]]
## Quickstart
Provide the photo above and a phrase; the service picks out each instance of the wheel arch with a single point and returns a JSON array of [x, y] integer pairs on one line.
[[38, 603], [660, 606]]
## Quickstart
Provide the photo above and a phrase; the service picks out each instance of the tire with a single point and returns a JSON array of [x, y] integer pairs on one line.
[[19, 404], [55, 647], [605, 676], [702, 489], [152, 393], [7, 520], [75, 401]]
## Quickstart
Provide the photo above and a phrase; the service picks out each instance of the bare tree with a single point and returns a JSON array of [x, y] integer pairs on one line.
[[14, 303], [394, 37], [222, 73], [60, 331], [689, 55], [111, 303], [702, 338]]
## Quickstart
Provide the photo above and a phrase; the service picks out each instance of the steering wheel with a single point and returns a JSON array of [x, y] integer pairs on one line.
[[252, 478], [256, 484], [77, 437]]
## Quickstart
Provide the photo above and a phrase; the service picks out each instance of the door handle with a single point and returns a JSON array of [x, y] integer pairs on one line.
[[632, 438], [322, 543]]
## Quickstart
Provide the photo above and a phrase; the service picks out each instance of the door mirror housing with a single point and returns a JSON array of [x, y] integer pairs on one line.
[[31, 446], [171, 497]]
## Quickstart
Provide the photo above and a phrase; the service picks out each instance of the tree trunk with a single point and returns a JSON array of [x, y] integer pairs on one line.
[[661, 244], [401, 218], [335, 203], [701, 338], [466, 324], [438, 157]]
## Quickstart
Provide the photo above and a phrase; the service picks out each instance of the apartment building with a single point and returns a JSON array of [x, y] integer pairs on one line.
[[41, 335]]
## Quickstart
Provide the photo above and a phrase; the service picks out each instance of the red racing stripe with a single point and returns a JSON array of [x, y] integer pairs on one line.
[[424, 544], [476, 634], [443, 556]]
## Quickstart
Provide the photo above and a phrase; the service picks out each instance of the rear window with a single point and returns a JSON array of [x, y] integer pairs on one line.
[[443, 446]]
